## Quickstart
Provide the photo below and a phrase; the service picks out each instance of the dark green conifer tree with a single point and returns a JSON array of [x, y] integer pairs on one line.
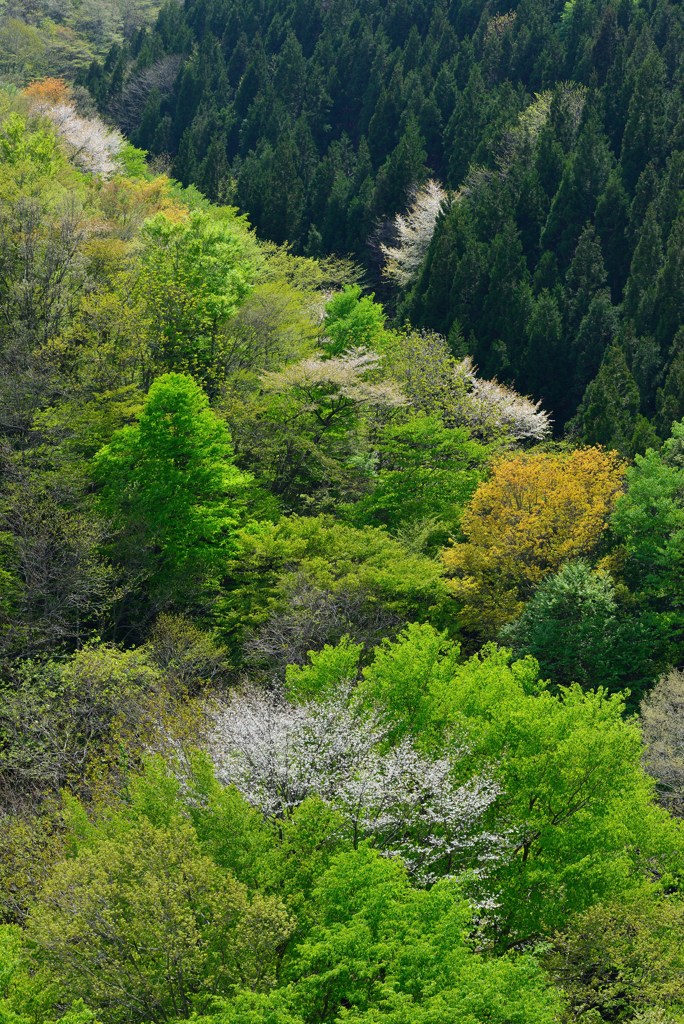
[[608, 412]]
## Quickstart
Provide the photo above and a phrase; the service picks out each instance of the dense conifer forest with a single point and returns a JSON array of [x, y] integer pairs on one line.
[[341, 512], [554, 129]]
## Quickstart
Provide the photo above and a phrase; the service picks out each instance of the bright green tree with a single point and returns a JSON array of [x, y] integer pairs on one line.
[[426, 475], [575, 800], [390, 953], [352, 320], [195, 272], [170, 488], [649, 522]]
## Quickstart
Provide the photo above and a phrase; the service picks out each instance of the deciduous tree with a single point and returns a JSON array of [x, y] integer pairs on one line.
[[148, 927], [536, 512], [172, 492]]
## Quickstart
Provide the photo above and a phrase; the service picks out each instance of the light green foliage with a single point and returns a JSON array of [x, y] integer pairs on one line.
[[574, 795], [333, 555], [30, 843], [325, 671], [133, 162], [41, 273], [254, 1008], [149, 918], [649, 521], [73, 431], [352, 321], [623, 958], [427, 371], [79, 721], [27, 996], [23, 50], [272, 325], [389, 953], [317, 580], [28, 151], [231, 833], [404, 674], [41, 37], [573, 785], [195, 270], [104, 347], [426, 475], [188, 657], [308, 841], [147, 926], [171, 491]]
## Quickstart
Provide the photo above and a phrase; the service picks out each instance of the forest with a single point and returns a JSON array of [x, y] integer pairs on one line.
[[341, 512]]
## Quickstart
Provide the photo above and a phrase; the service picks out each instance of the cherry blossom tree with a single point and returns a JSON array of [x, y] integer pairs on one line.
[[330, 385], [414, 231], [487, 406], [662, 722], [94, 146], [277, 754], [434, 382]]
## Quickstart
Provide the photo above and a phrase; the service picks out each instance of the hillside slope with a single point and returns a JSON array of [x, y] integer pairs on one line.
[[555, 127]]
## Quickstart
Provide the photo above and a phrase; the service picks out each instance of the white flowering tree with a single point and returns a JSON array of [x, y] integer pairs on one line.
[[413, 231], [94, 147], [434, 382], [407, 804], [329, 387], [487, 407], [662, 722]]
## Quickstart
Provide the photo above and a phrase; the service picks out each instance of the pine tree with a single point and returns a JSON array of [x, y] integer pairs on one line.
[[644, 132], [612, 218], [584, 180], [403, 169], [670, 401], [586, 277], [545, 367], [646, 264], [608, 412], [669, 292]]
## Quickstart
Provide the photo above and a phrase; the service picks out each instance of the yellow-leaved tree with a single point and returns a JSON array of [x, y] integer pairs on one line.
[[536, 512]]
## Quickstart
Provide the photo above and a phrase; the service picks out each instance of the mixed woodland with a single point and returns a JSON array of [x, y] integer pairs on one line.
[[341, 512]]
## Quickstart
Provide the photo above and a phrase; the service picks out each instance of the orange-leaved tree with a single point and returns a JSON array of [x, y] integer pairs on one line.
[[49, 90], [535, 513]]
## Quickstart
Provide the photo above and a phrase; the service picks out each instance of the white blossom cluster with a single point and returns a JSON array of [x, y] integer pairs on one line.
[[94, 146], [406, 803], [487, 405], [414, 233], [342, 377]]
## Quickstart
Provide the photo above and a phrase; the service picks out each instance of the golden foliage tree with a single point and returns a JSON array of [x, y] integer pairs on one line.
[[535, 513]]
